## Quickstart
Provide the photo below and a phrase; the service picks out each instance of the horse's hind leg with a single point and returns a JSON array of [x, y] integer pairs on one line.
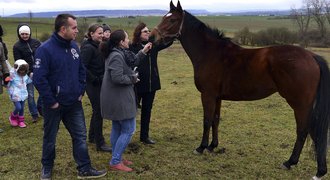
[[320, 157], [215, 126], [302, 132], [208, 108]]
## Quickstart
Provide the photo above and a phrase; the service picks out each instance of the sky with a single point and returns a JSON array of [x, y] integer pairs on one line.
[[9, 7]]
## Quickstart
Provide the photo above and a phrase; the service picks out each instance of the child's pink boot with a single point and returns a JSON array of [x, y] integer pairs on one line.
[[13, 119], [21, 122]]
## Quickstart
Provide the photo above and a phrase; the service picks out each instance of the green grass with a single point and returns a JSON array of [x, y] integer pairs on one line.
[[255, 137]]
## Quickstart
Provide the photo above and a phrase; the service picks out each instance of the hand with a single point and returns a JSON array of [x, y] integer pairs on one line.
[[147, 47], [135, 78], [56, 105], [31, 75], [80, 98]]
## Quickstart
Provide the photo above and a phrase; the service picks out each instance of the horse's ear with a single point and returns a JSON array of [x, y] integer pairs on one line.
[[178, 6], [172, 7]]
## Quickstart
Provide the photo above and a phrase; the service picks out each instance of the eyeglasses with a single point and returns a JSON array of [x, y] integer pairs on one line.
[[146, 31]]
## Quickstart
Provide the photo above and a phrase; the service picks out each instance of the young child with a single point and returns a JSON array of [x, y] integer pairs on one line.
[[17, 90]]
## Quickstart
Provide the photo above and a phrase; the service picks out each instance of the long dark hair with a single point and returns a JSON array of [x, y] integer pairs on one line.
[[137, 33], [115, 38]]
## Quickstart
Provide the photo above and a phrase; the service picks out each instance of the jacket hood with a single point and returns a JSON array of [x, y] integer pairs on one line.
[[17, 30]]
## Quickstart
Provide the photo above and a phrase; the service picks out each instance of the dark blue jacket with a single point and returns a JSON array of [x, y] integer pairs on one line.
[[59, 74]]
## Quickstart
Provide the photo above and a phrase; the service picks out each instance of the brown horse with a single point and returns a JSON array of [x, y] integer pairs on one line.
[[226, 71]]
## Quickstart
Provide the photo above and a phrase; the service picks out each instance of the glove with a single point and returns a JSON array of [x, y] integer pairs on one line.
[[7, 80]]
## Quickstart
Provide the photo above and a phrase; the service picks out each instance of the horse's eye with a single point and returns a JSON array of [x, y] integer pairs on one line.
[[172, 20]]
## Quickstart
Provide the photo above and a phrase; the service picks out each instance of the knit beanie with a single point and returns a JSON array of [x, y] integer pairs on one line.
[[106, 27], [24, 29]]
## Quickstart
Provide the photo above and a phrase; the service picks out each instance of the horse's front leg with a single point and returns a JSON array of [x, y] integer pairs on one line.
[[209, 109], [215, 126]]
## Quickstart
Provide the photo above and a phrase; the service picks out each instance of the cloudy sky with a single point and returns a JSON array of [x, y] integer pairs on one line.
[[9, 7]]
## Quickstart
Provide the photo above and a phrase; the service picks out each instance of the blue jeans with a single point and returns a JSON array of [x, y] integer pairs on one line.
[[121, 134], [31, 103], [74, 121], [19, 108]]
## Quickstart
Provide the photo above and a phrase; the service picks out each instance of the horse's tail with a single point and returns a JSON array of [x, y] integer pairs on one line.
[[320, 114]]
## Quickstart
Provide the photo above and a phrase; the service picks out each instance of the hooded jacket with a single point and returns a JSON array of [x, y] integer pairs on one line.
[[59, 74], [25, 49]]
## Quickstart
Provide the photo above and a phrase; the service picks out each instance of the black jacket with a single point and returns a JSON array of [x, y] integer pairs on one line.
[[25, 49], [93, 61], [148, 68]]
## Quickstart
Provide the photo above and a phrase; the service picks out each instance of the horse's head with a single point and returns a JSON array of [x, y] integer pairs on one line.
[[170, 27]]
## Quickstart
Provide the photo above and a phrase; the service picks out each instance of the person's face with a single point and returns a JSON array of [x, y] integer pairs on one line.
[[145, 34], [106, 34], [25, 36], [97, 35], [125, 43], [70, 32]]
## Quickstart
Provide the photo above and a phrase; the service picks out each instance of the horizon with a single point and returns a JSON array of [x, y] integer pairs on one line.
[[11, 7]]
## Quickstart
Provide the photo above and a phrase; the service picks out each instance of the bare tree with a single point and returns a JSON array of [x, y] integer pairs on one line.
[[327, 10], [30, 14], [302, 18], [318, 7]]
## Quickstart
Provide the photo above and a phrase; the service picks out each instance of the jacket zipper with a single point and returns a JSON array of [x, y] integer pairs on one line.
[[31, 52], [149, 74]]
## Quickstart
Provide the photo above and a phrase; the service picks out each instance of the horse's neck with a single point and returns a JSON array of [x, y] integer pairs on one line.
[[198, 46]]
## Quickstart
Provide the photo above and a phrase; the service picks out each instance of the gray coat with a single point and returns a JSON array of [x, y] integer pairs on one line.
[[118, 101], [3, 66]]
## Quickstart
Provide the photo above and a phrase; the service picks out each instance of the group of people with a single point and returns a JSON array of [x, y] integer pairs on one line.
[[18, 79], [118, 77]]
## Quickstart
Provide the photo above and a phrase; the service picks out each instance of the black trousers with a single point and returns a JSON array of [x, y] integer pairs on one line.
[[146, 100], [95, 133]]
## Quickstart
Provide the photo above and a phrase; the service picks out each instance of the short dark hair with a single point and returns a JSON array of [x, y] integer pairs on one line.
[[62, 20]]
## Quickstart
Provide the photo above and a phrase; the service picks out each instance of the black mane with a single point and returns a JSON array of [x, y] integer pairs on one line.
[[199, 25]]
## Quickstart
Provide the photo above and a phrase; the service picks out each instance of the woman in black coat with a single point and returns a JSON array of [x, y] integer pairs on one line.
[[149, 78], [94, 63]]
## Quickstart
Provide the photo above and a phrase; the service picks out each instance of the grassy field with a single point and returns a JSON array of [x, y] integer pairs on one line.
[[255, 137]]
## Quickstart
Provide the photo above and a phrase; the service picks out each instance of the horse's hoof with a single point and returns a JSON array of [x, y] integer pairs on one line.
[[316, 178], [197, 153], [285, 167]]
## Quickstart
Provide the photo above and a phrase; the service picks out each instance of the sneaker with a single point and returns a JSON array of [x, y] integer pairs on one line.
[[46, 173], [127, 162], [120, 167], [91, 174], [35, 118]]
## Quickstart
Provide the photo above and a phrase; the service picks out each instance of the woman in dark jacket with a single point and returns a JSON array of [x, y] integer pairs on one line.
[[149, 78], [25, 48], [94, 63]]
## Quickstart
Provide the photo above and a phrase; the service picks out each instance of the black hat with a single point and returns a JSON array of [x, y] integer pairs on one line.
[[106, 27], [1, 31]]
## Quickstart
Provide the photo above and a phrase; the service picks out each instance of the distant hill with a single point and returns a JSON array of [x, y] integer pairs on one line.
[[149, 12], [104, 13]]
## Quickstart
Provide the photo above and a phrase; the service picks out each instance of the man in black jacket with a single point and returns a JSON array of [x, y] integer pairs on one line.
[[25, 48]]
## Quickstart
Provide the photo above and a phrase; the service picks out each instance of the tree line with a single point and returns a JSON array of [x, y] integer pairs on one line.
[[312, 12]]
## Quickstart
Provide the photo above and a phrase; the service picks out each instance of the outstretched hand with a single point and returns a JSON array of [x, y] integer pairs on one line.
[[147, 47]]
